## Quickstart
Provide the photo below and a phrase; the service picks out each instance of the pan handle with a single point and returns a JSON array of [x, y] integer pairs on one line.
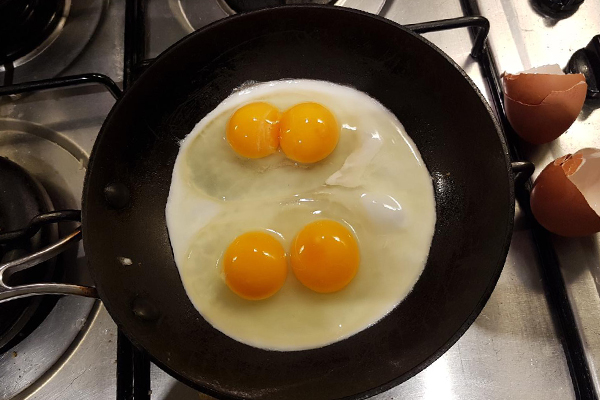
[[10, 293]]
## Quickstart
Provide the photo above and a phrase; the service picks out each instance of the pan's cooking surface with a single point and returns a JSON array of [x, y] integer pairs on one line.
[[442, 113]]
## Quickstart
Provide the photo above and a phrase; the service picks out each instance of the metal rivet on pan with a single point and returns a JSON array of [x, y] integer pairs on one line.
[[144, 309], [116, 195]]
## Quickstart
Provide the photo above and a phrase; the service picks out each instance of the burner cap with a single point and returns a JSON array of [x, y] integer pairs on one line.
[[558, 9], [240, 6], [25, 24], [22, 197]]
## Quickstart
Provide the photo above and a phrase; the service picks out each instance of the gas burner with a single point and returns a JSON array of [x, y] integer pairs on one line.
[[557, 9], [44, 170], [44, 36], [26, 24], [193, 14], [240, 6]]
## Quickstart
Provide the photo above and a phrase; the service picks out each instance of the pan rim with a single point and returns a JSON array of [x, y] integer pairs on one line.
[[340, 11]]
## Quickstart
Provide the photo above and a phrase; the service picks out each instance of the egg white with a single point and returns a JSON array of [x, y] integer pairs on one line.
[[375, 183]]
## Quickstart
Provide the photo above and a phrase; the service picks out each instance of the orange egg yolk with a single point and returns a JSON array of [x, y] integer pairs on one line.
[[253, 130], [309, 132], [254, 265], [325, 256]]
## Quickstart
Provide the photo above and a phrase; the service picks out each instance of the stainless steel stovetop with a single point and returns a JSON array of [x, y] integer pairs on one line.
[[511, 351]]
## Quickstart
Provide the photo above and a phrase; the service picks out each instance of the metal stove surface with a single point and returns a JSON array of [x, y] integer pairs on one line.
[[61, 49], [523, 38], [51, 134], [511, 351]]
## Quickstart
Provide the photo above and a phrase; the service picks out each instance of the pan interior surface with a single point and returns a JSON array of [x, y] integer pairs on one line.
[[442, 112]]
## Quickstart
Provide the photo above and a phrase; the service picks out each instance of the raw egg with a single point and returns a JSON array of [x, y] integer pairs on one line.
[[309, 132], [253, 130], [325, 256], [542, 103], [254, 265], [365, 216], [566, 195]]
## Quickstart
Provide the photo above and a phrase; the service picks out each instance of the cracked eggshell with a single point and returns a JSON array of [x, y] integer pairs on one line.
[[542, 103], [566, 195], [586, 176]]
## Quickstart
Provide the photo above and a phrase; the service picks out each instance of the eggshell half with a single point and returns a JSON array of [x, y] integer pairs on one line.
[[541, 107], [558, 205], [586, 176], [532, 89]]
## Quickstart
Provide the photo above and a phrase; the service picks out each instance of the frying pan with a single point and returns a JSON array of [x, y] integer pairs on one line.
[[129, 174]]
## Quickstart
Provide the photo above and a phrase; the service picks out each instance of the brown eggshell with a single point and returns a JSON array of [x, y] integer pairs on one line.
[[544, 122], [534, 88], [558, 205], [584, 173]]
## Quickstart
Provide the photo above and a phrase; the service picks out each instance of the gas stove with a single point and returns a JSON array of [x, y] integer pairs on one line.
[[537, 336]]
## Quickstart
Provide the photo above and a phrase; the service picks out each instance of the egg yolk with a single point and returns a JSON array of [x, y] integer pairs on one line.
[[309, 132], [254, 265], [253, 130], [325, 256]]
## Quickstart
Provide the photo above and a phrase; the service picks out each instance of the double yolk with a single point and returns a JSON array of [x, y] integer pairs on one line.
[[324, 256], [306, 133]]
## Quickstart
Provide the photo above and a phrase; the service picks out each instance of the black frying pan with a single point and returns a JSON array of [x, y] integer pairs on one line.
[[130, 171]]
